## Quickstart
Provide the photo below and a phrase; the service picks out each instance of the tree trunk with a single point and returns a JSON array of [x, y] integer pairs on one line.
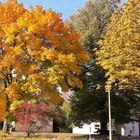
[[103, 130], [5, 126], [28, 134], [103, 121], [104, 125]]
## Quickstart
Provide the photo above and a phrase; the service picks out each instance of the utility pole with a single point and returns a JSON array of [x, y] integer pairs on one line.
[[89, 131], [109, 110]]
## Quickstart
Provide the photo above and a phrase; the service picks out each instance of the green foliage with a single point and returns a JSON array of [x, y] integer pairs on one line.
[[67, 113], [90, 103], [89, 107], [90, 22]]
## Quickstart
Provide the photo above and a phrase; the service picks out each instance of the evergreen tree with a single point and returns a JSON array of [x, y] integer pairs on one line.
[[90, 22], [90, 103]]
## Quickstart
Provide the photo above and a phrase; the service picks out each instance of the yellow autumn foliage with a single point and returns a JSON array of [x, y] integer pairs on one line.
[[2, 106], [120, 51]]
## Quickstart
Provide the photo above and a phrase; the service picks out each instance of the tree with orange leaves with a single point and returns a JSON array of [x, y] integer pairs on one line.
[[38, 54]]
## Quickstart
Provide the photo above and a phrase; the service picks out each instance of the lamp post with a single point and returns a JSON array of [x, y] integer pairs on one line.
[[109, 110]]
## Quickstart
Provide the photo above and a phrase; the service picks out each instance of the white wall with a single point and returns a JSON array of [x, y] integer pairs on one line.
[[87, 128], [131, 129]]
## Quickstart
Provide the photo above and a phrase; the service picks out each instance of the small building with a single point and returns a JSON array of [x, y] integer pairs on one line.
[[91, 128], [49, 126], [39, 127], [131, 129], [128, 129]]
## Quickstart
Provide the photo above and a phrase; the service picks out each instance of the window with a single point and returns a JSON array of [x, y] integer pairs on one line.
[[97, 126]]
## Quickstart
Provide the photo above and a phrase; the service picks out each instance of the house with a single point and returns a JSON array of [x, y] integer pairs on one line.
[[127, 129], [41, 127], [91, 128], [50, 126], [131, 129]]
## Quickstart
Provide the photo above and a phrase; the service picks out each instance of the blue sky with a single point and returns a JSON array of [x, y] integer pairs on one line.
[[66, 7]]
